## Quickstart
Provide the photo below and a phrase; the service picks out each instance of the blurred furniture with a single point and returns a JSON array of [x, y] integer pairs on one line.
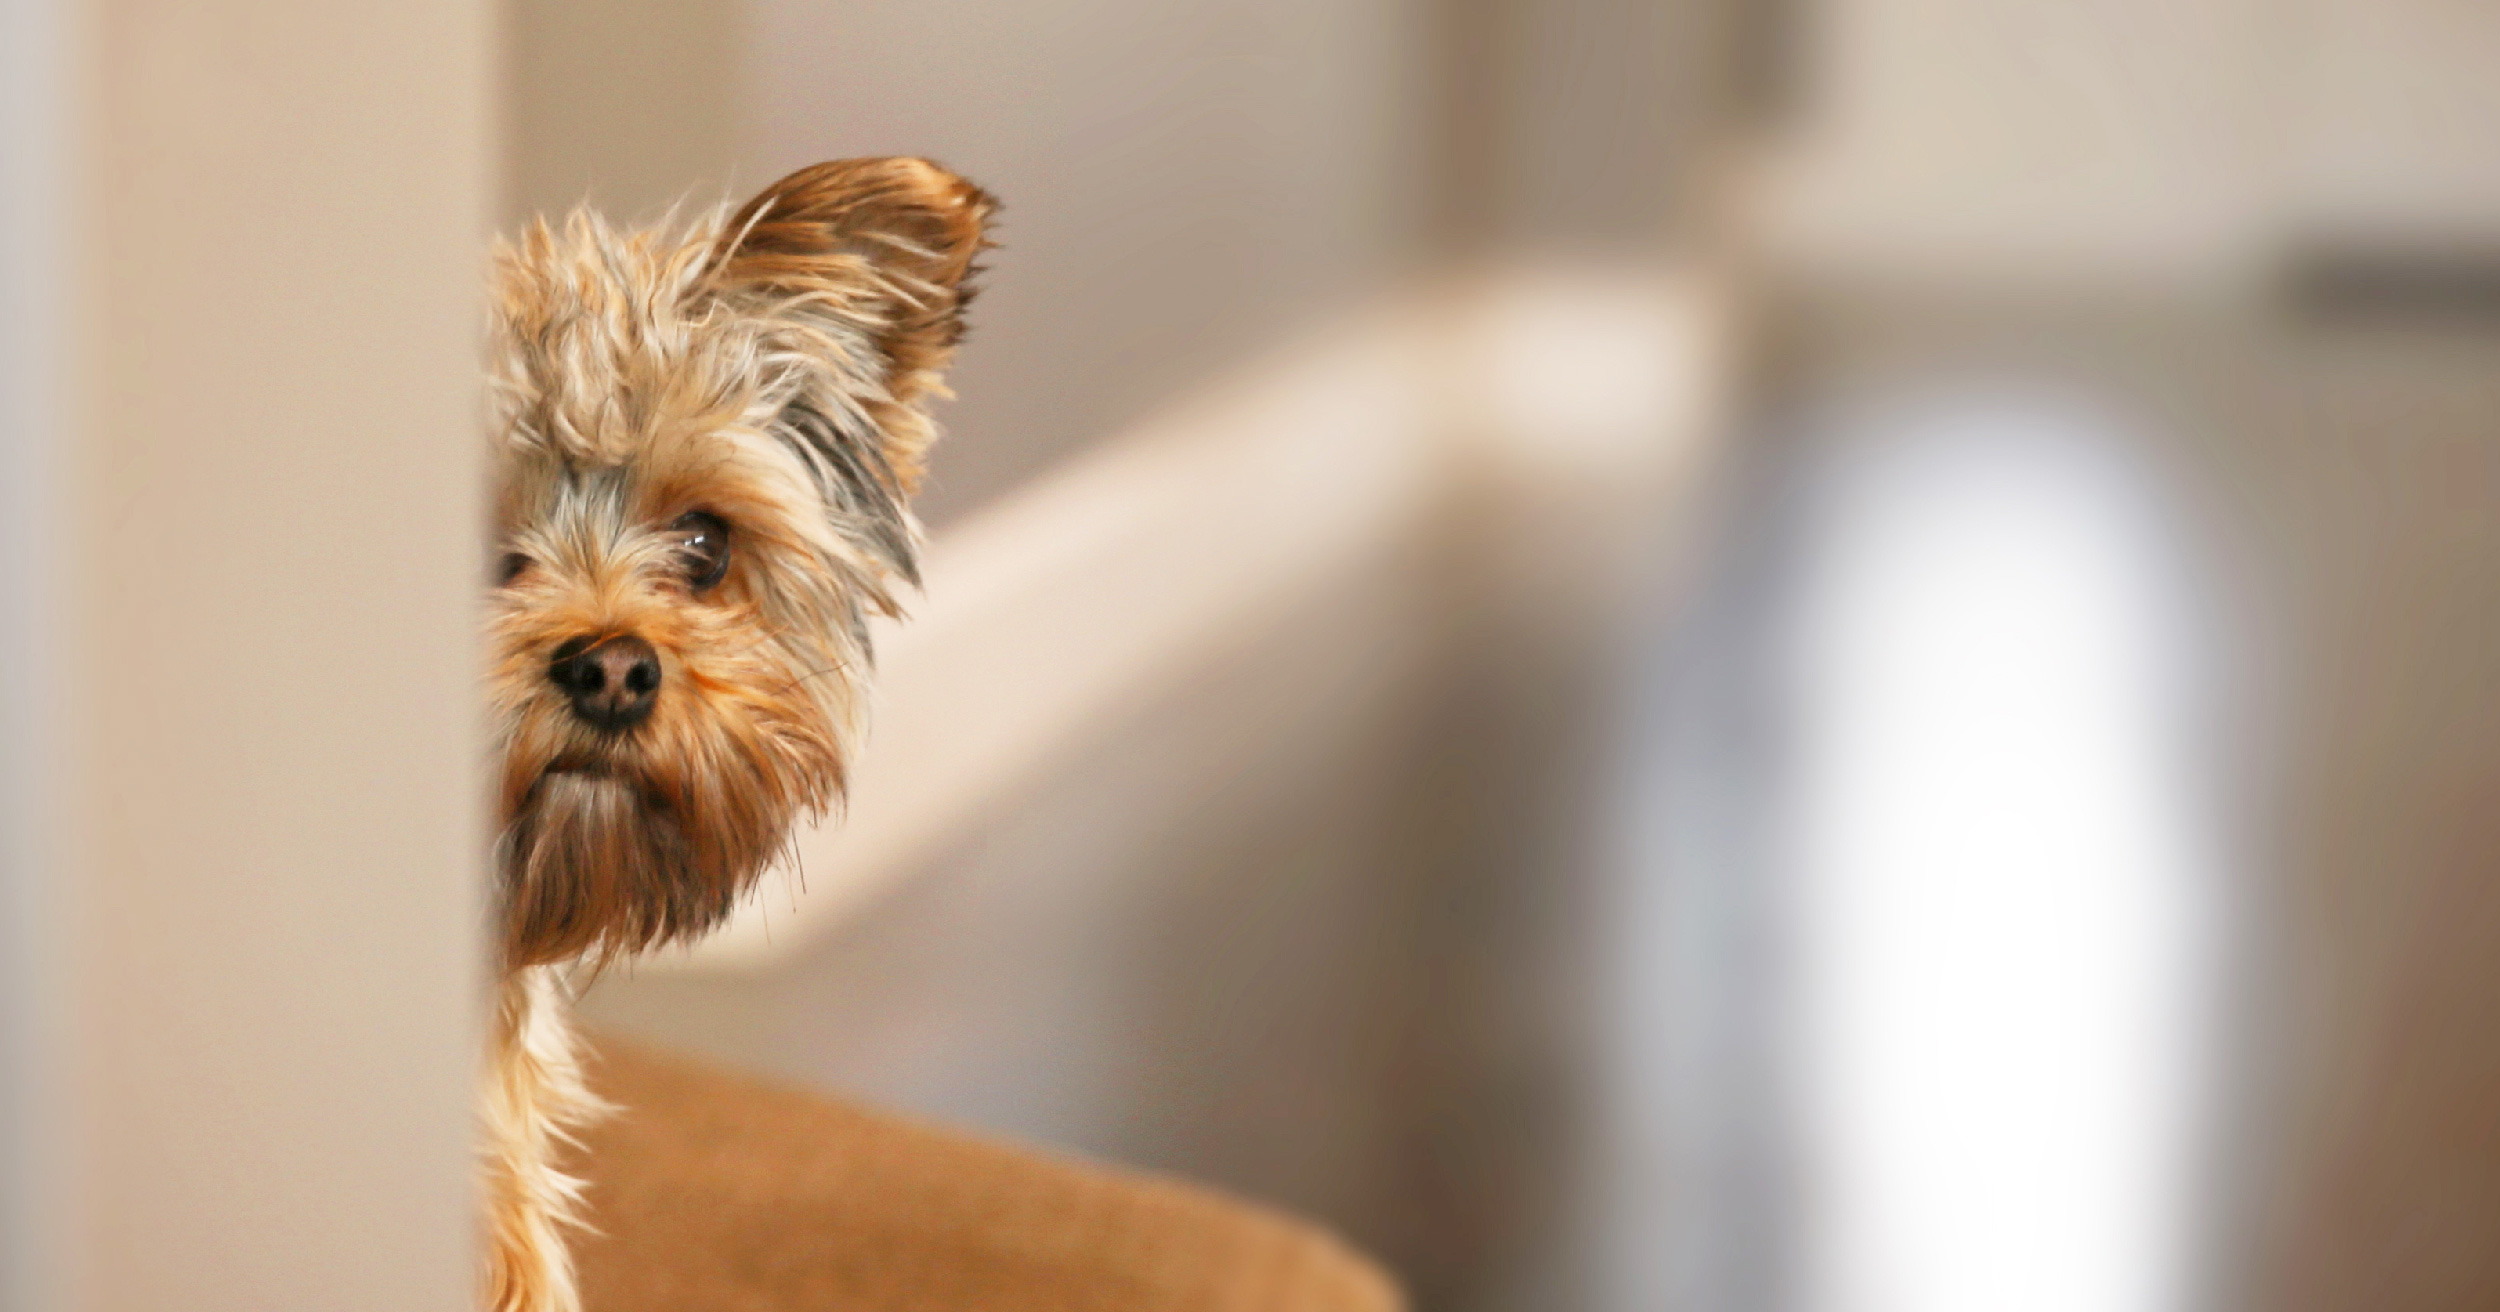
[[712, 1191]]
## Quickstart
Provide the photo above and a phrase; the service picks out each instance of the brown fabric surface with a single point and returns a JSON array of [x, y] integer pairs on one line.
[[722, 1194]]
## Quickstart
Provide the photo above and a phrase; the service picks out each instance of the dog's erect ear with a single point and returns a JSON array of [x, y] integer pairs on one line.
[[868, 252]]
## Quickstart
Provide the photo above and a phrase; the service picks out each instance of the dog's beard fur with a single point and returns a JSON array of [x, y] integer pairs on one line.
[[770, 368]]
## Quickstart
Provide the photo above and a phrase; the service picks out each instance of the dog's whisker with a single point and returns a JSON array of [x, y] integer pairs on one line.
[[842, 668]]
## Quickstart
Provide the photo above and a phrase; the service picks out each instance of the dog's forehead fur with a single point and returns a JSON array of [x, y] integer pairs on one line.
[[607, 340], [623, 350], [603, 343]]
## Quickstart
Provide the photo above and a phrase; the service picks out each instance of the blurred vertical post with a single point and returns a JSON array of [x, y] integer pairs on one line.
[[241, 249], [33, 38]]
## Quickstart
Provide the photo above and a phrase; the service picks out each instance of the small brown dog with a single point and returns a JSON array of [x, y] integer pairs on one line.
[[706, 439]]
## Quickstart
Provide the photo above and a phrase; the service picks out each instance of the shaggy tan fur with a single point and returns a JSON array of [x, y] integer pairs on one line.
[[756, 383]]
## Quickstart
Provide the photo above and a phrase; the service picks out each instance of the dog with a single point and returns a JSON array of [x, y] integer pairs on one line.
[[705, 441]]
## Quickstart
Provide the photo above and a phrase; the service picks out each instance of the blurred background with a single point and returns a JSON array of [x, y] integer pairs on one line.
[[1711, 654]]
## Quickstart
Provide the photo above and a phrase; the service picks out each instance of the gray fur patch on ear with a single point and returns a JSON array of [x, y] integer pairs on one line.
[[858, 486]]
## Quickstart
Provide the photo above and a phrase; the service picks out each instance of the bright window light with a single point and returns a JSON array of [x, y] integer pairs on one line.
[[2001, 899]]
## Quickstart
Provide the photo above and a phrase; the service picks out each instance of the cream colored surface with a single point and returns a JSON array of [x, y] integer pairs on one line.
[[2394, 128], [1048, 617], [2037, 142], [266, 563], [633, 105], [2060, 143]]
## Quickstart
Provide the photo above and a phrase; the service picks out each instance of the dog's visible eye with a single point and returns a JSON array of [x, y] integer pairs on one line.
[[511, 567], [703, 544]]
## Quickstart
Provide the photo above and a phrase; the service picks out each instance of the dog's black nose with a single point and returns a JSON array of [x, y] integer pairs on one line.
[[613, 681]]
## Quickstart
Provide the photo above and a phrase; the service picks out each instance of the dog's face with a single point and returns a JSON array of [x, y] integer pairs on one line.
[[705, 445]]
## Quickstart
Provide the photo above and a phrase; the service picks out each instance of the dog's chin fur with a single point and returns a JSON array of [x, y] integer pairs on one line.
[[599, 863], [603, 857], [767, 374]]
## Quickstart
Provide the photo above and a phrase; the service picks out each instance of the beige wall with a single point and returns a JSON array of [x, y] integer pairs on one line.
[[258, 859], [2394, 126], [2059, 142], [632, 105]]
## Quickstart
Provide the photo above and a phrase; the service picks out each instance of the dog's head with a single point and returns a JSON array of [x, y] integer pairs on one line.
[[706, 440]]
